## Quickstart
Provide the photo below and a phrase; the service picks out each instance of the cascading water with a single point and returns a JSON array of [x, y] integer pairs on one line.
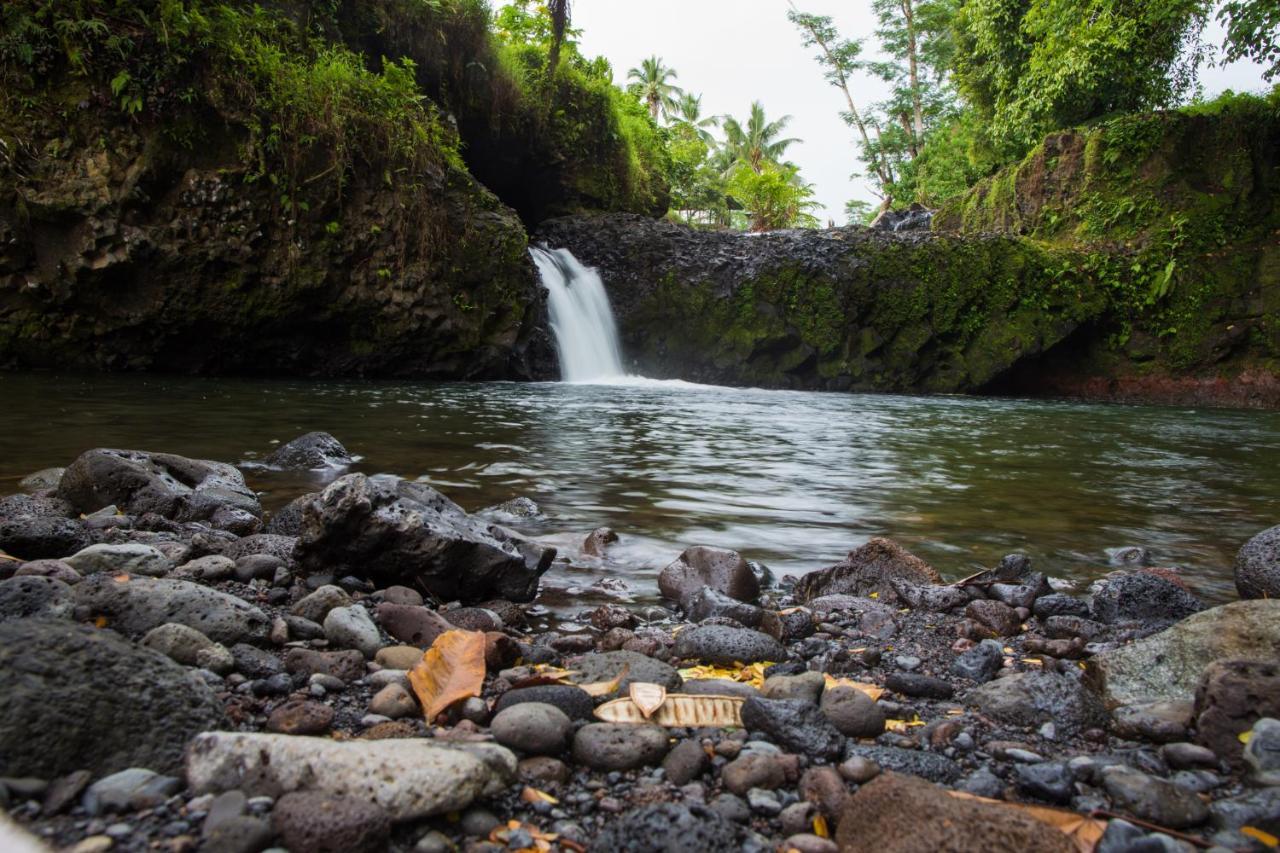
[[581, 319]]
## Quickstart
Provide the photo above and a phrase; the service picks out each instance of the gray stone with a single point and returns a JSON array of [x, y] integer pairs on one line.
[[134, 788], [211, 568], [254, 662], [685, 762], [316, 606], [1260, 809], [42, 480], [409, 778], [177, 642], [707, 603], [1168, 665], [27, 596], [574, 702], [725, 646], [73, 698], [866, 570], [1153, 799], [914, 762], [216, 658], [919, 685], [1257, 569], [353, 628], [533, 728], [980, 663], [1160, 722], [1262, 753], [53, 569], [1141, 596], [807, 686], [1059, 604], [606, 666], [33, 528], [1049, 780], [131, 558], [795, 725], [763, 802], [240, 834], [619, 746], [135, 605], [1031, 699], [323, 822], [718, 687], [669, 828], [852, 712], [346, 665], [700, 566], [1188, 756], [168, 485], [311, 452]]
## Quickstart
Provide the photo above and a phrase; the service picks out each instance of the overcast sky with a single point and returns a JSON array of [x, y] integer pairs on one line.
[[735, 51]]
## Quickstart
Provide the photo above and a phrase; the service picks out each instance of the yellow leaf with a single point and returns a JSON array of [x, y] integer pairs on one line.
[[1033, 661], [820, 828], [870, 689], [753, 674], [100, 622], [1245, 737], [533, 795], [1260, 835], [450, 671], [901, 726], [874, 595]]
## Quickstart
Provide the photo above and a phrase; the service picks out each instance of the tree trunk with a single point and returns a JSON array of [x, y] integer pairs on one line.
[[913, 70]]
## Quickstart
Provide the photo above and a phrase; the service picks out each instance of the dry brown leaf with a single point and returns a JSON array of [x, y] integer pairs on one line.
[[1084, 831], [648, 697], [450, 671], [533, 795], [870, 689], [596, 689], [678, 710]]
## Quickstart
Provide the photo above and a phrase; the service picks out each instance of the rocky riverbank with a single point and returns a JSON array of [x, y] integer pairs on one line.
[[368, 668]]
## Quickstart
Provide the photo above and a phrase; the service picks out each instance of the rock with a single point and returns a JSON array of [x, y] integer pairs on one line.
[[254, 662], [707, 603], [311, 452], [409, 778], [1260, 809], [128, 790], [398, 657], [240, 834], [725, 646], [1188, 756], [170, 486], [859, 769], [352, 628], [619, 746], [806, 842], [261, 544], [599, 541], [315, 606], [701, 566], [533, 728], [718, 687], [1231, 696], [287, 521], [606, 666], [301, 717], [1051, 781], [131, 558], [795, 725], [22, 597], [998, 618], [1141, 596], [252, 567], [211, 568], [177, 642], [1060, 604], [134, 605], [541, 770], [574, 702], [1168, 665], [348, 665], [1152, 799], [391, 530], [852, 712], [473, 619], [73, 698], [914, 762], [685, 762], [1257, 569], [1031, 699], [330, 823], [42, 480], [217, 659], [415, 625], [52, 569], [1160, 722], [807, 686], [33, 537], [753, 770], [898, 814], [1262, 753], [980, 663], [919, 685], [935, 599], [763, 802], [869, 569], [669, 828], [64, 791]]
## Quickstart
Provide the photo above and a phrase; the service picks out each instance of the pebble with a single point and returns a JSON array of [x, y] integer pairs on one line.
[[859, 770], [543, 770], [327, 823], [534, 728], [353, 628], [919, 685], [575, 702], [393, 702], [301, 717], [807, 686], [398, 657], [619, 746], [1153, 799], [980, 663], [753, 771], [686, 761], [763, 802], [134, 788], [852, 712], [795, 725], [316, 606], [1187, 756]]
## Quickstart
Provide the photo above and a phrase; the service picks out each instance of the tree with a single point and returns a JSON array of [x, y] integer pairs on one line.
[[858, 212], [558, 12], [916, 35], [774, 197], [652, 82], [1252, 28], [688, 113], [757, 143]]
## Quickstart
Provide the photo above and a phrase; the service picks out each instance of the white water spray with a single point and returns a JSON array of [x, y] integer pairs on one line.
[[581, 319]]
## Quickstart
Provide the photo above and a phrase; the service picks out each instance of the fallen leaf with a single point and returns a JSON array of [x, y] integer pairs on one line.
[[4, 556], [1033, 661], [121, 578], [450, 671], [1245, 737], [100, 622], [648, 697], [874, 595], [870, 689], [901, 726], [753, 674], [1084, 831], [533, 795], [678, 710], [820, 827], [1261, 835], [596, 689]]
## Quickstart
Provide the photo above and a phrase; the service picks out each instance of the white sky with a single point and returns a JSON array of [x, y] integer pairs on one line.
[[735, 51]]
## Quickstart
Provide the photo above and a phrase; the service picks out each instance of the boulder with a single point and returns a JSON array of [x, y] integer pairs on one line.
[[722, 570], [26, 596], [135, 605], [74, 697], [35, 528], [311, 452], [869, 569], [1031, 699], [899, 814], [1231, 697], [1168, 665], [1257, 569], [408, 778], [724, 645], [394, 531], [287, 521], [171, 486], [1141, 596]]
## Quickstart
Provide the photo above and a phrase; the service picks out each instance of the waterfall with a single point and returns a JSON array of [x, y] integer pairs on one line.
[[581, 319]]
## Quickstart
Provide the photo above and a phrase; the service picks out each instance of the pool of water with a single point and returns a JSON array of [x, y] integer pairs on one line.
[[792, 479]]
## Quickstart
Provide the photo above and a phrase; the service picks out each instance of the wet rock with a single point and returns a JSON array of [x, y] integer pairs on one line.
[[73, 698], [22, 597], [352, 628], [1031, 699], [997, 618], [347, 665], [1260, 809], [599, 541], [574, 702], [980, 663], [619, 746], [1231, 696], [311, 452], [1262, 753], [795, 725], [409, 778], [1153, 799], [919, 685], [1159, 722], [1060, 604], [130, 789], [685, 762], [1141, 597], [1168, 665], [131, 558], [935, 599], [1257, 568], [725, 646], [533, 728], [329, 823], [301, 717], [170, 486], [669, 828], [606, 666], [177, 642], [898, 814], [866, 570], [391, 530], [915, 762], [807, 686], [287, 521], [700, 566], [852, 712], [706, 603], [135, 605], [42, 480]]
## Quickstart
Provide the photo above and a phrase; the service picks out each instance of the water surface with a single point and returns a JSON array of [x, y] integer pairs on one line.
[[793, 479]]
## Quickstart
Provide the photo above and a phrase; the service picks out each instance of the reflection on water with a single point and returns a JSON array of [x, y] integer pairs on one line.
[[789, 478]]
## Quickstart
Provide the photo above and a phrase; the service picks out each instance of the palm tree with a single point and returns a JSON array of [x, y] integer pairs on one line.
[[689, 111], [559, 12], [758, 142], [651, 83]]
